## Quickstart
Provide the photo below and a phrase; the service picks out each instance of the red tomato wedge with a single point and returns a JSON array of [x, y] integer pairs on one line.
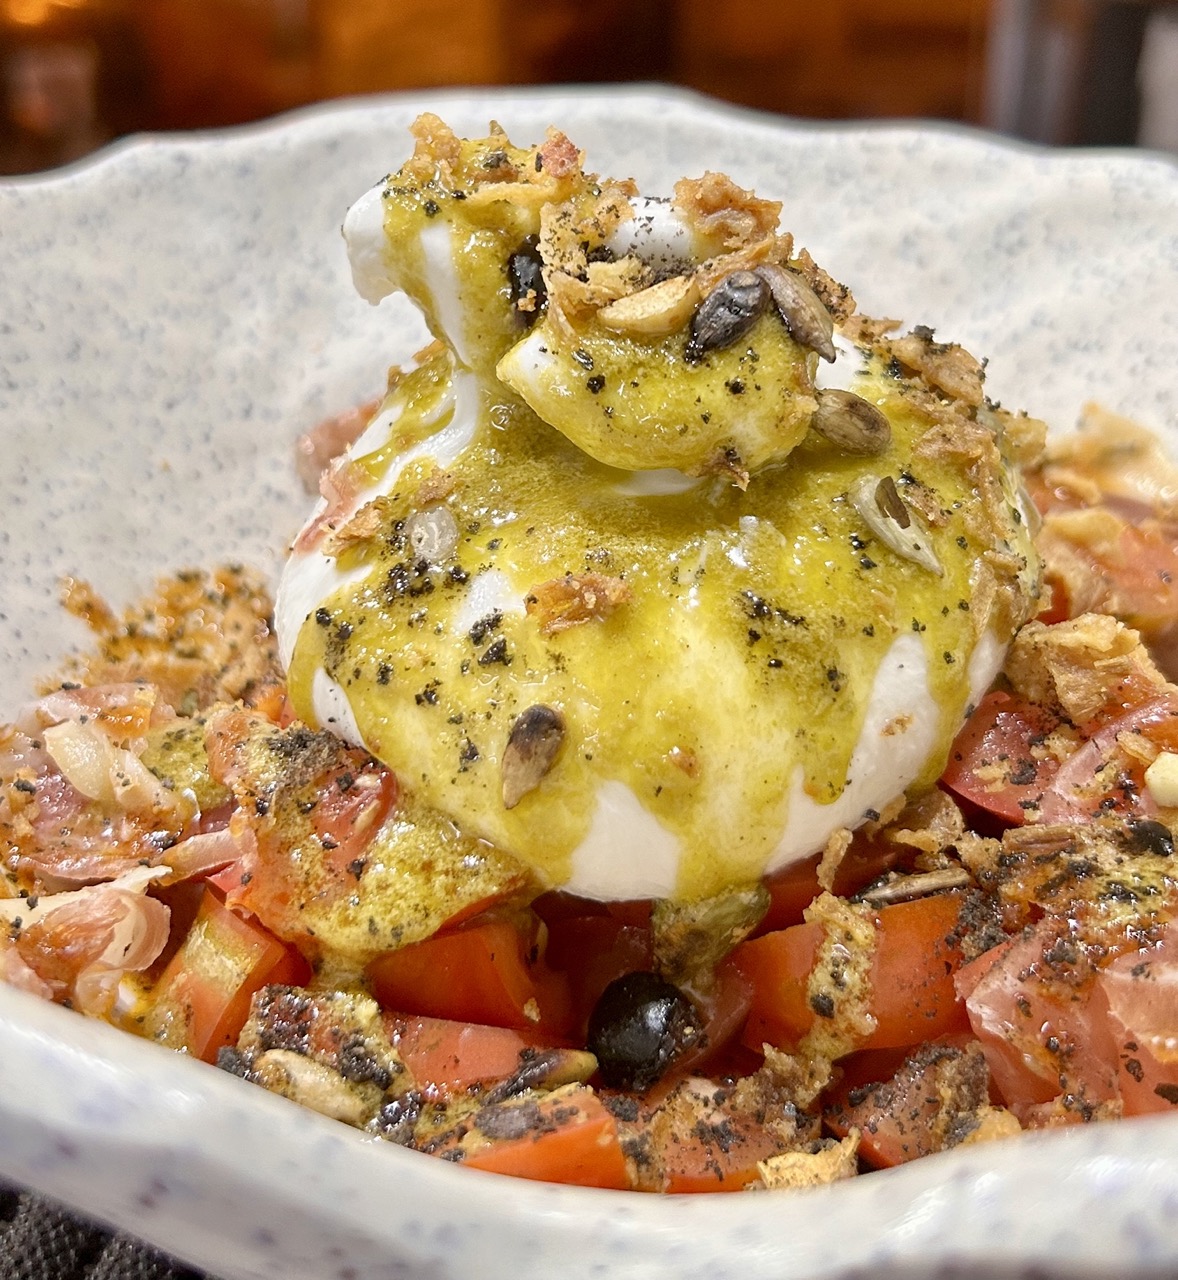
[[203, 997], [483, 972], [727, 1161], [1140, 992], [455, 1057], [992, 765], [568, 1136], [1031, 1031], [793, 889], [1141, 575], [912, 993], [724, 1009], [914, 1109], [593, 950], [777, 967], [1055, 601], [1100, 777], [703, 1136], [1134, 575], [1097, 1040], [995, 770], [348, 811]]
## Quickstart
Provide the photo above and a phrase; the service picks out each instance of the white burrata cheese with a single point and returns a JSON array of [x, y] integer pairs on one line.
[[368, 247], [627, 853]]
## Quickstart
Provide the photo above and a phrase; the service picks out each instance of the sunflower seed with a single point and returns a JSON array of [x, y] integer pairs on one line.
[[727, 313], [852, 423], [905, 888], [808, 321], [546, 1069], [889, 517], [531, 750]]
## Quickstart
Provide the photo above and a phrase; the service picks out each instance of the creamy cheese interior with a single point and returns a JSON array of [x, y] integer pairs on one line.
[[769, 669]]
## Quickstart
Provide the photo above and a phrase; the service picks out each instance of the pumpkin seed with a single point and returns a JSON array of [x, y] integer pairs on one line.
[[727, 313], [691, 938], [852, 423], [532, 747]]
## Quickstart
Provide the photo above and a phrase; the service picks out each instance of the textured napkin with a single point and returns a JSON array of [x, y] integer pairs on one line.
[[39, 1240]]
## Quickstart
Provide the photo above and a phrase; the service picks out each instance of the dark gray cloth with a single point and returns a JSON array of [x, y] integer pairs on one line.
[[40, 1240]]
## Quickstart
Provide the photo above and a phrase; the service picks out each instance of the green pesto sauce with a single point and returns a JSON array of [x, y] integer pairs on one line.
[[757, 619], [756, 623], [481, 239], [423, 405], [637, 403], [178, 758]]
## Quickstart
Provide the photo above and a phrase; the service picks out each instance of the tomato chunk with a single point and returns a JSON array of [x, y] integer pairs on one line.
[[722, 1155], [203, 997], [454, 1057], [708, 1136], [912, 994], [1132, 575], [996, 772], [777, 967], [567, 1136], [592, 951], [1140, 991], [993, 766], [724, 1010], [935, 1098], [792, 889], [485, 972], [1103, 1036]]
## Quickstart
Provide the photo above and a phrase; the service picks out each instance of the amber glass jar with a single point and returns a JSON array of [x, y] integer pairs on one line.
[[72, 76]]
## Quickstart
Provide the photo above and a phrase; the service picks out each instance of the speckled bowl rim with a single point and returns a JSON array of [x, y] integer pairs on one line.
[[246, 1185]]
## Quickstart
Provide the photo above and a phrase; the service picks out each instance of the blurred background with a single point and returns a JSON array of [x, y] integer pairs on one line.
[[76, 73]]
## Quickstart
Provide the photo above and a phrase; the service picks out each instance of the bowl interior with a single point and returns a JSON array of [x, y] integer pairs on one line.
[[178, 310]]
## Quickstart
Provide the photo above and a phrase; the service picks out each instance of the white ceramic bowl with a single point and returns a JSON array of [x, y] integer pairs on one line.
[[174, 312]]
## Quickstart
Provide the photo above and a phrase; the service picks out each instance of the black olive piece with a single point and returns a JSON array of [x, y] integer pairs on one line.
[[525, 276], [638, 1027], [727, 313], [1147, 835]]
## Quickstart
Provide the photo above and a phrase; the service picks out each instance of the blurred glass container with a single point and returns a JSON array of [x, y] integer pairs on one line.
[[1159, 82], [72, 76], [1074, 72], [51, 114], [365, 48]]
